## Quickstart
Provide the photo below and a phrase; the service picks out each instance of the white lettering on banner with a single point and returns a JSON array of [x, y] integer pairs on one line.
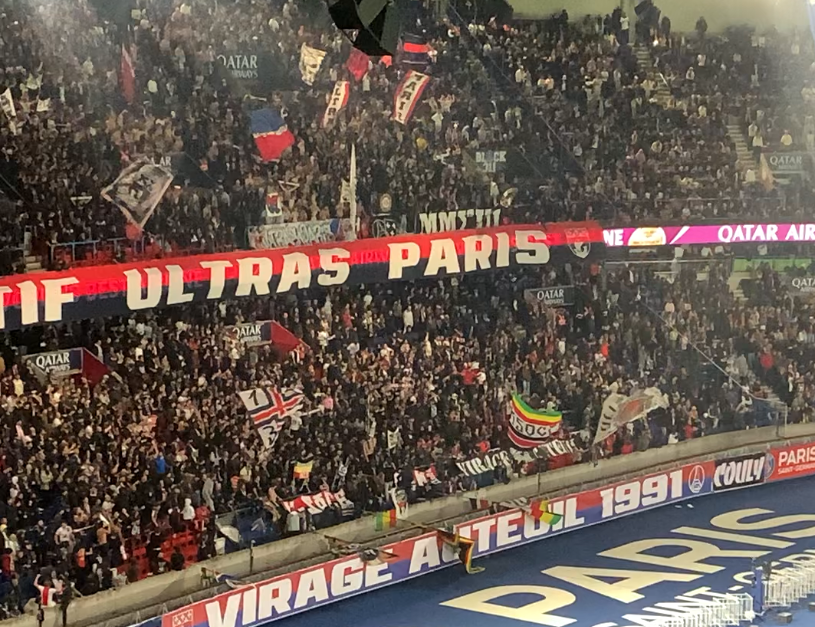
[[748, 233], [628, 497], [148, 285], [738, 472], [797, 456], [53, 361], [803, 283], [614, 237], [687, 556], [243, 66]]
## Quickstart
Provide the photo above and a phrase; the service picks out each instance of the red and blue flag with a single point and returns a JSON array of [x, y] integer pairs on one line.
[[271, 134]]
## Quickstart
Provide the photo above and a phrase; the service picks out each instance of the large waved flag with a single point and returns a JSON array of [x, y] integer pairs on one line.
[[272, 136], [269, 409], [539, 510], [138, 190], [357, 64], [415, 50], [283, 339], [529, 428]]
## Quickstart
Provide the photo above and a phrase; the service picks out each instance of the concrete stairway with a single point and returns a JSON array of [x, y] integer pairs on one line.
[[744, 158], [646, 62], [33, 263]]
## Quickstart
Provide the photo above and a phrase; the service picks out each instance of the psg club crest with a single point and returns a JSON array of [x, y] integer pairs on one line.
[[581, 249]]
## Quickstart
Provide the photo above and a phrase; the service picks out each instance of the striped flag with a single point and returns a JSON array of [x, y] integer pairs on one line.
[[385, 520], [539, 510], [529, 428]]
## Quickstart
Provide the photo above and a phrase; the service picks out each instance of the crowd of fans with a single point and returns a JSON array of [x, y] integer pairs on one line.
[[587, 134], [105, 483], [163, 445]]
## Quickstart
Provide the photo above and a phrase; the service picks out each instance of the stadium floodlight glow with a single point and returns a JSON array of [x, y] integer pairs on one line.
[[372, 26]]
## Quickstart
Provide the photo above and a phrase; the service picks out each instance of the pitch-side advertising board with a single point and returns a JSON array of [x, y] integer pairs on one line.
[[341, 578]]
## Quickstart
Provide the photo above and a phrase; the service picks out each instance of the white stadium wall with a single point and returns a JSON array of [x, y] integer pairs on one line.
[[762, 14]]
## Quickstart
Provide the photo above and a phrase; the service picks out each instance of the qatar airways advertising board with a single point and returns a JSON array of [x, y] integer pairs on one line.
[[648, 236]]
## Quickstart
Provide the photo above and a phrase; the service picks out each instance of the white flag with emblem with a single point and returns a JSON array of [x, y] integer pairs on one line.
[[310, 61]]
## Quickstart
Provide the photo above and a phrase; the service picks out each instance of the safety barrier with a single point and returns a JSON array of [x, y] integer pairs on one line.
[[788, 586], [724, 611]]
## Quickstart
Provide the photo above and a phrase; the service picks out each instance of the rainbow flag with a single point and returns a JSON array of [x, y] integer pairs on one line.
[[539, 510], [385, 520], [529, 428], [540, 416]]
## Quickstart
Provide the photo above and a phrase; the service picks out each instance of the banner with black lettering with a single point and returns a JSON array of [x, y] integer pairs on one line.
[[310, 61], [460, 219], [408, 94], [138, 190], [337, 102], [485, 462], [299, 233], [739, 472], [557, 296]]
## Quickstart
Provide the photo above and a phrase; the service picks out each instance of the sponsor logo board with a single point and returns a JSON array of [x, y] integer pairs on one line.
[[739, 472], [649, 236], [796, 460]]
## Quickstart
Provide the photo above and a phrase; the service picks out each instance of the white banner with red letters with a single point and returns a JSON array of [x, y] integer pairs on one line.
[[337, 102], [318, 502]]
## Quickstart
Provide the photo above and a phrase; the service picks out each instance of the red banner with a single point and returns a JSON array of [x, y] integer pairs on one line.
[[797, 460], [318, 502], [111, 290]]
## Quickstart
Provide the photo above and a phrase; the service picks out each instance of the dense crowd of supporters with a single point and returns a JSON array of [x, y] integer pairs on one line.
[[99, 483], [163, 445], [589, 131]]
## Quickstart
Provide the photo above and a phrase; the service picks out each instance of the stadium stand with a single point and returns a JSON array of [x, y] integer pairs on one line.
[[156, 465]]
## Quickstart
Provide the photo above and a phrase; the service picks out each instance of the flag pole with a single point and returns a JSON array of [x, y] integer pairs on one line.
[[352, 183]]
